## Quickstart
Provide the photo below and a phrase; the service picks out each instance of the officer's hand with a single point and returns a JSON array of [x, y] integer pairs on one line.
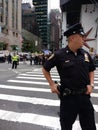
[[89, 89], [54, 89]]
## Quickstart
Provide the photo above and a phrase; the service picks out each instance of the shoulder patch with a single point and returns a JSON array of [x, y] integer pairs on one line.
[[51, 57]]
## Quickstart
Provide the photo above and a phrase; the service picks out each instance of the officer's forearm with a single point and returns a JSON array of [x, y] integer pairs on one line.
[[48, 77], [91, 76]]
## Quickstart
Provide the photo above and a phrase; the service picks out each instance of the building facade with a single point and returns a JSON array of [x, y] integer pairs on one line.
[[29, 22], [30, 26], [55, 29], [10, 23], [84, 11], [41, 11]]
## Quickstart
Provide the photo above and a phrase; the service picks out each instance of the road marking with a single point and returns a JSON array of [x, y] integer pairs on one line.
[[96, 72], [40, 69], [33, 100], [41, 101], [28, 82], [96, 87], [42, 120], [45, 121], [38, 83], [96, 108], [19, 77], [24, 88], [40, 75], [95, 78], [95, 82], [94, 94], [37, 72]]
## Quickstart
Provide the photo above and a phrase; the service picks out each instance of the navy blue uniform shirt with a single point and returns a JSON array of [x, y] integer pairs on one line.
[[73, 69]]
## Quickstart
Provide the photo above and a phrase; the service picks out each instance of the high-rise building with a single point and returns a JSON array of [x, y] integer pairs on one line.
[[29, 19], [55, 29], [10, 23], [41, 10]]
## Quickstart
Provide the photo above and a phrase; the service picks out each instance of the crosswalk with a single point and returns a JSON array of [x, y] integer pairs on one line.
[[26, 103]]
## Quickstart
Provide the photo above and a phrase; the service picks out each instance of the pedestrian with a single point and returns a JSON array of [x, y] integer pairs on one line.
[[76, 69], [9, 58], [36, 60], [31, 59], [24, 58], [14, 61]]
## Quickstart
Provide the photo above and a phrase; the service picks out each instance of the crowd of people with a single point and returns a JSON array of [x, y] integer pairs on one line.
[[36, 59]]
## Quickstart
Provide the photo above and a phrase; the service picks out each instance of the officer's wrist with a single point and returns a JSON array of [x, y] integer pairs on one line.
[[92, 85]]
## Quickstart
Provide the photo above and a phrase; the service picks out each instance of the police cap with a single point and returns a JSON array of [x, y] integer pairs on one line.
[[74, 29]]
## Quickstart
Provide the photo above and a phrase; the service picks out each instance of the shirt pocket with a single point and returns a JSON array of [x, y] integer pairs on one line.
[[67, 64], [86, 64]]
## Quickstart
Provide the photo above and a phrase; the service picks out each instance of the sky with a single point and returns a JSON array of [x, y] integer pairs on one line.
[[54, 4]]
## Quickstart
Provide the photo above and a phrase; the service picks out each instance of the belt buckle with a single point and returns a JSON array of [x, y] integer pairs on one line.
[[66, 92]]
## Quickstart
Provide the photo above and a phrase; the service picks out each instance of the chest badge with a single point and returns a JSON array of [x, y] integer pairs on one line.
[[86, 57], [67, 61]]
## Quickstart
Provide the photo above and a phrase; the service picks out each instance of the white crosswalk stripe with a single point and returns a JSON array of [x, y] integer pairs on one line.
[[35, 78], [32, 100]]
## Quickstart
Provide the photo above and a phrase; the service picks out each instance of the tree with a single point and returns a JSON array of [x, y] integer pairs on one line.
[[14, 47], [2, 46], [28, 46]]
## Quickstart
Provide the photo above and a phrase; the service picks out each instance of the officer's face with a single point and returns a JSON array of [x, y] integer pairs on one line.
[[79, 40]]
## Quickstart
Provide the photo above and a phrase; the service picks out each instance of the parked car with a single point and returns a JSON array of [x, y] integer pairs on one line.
[[2, 58]]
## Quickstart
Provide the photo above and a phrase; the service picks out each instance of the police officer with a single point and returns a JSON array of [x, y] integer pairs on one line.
[[76, 70], [15, 59]]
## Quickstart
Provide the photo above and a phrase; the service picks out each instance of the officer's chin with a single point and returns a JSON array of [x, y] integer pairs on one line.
[[81, 46]]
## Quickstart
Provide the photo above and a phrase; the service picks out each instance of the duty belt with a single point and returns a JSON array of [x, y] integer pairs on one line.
[[68, 91]]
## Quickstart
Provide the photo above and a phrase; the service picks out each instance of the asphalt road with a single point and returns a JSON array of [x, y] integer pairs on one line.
[[26, 102], [20, 95], [6, 72]]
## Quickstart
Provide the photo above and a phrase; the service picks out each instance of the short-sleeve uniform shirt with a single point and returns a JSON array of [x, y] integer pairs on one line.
[[73, 68]]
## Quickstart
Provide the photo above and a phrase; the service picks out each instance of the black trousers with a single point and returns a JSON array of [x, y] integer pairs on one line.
[[14, 64], [73, 105]]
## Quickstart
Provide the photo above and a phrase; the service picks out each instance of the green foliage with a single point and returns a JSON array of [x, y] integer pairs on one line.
[[2, 45], [14, 47], [28, 46]]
